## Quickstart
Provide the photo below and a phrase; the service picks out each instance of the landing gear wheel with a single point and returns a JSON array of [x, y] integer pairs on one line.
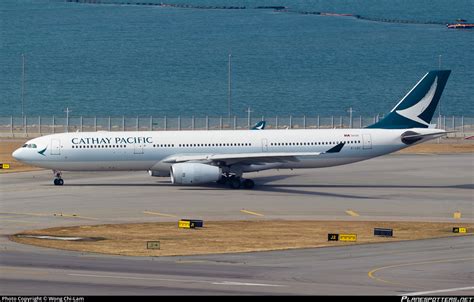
[[58, 182], [234, 183], [248, 184]]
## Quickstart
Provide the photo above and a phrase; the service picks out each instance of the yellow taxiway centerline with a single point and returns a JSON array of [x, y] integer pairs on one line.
[[371, 273], [251, 213], [352, 213], [159, 214]]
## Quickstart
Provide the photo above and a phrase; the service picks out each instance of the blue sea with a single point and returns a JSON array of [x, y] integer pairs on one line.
[[142, 60]]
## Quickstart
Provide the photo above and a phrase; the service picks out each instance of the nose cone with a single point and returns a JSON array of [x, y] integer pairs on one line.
[[17, 154]]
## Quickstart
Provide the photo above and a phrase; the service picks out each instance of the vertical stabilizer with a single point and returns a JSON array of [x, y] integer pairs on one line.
[[417, 107]]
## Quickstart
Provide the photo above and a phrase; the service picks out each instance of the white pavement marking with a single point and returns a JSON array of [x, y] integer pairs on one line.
[[52, 237], [246, 284], [177, 280], [137, 278], [438, 291]]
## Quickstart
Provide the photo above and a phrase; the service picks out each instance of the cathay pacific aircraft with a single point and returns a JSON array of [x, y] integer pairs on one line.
[[224, 156]]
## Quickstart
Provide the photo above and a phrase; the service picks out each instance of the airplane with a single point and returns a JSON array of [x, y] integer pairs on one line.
[[259, 126], [224, 156]]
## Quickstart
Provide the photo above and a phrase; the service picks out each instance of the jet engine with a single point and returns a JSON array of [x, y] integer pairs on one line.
[[194, 173], [158, 173]]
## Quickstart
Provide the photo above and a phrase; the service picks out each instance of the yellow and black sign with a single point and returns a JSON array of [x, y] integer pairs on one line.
[[347, 237], [185, 224], [4, 166], [153, 245], [190, 223], [459, 230], [333, 237]]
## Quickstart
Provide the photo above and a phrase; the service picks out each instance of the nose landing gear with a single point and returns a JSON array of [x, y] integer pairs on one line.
[[58, 181]]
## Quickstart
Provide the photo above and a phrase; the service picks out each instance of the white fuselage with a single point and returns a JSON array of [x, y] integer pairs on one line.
[[145, 150]]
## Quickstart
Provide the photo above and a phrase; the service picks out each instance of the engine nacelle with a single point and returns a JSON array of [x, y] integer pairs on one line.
[[159, 173], [194, 173]]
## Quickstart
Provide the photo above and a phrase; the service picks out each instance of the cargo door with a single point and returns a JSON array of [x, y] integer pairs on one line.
[[367, 141], [55, 146], [138, 148]]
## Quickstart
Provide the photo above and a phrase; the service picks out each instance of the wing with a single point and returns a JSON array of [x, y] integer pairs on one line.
[[248, 158]]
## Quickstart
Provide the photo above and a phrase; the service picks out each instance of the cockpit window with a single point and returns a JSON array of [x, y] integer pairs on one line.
[[29, 146]]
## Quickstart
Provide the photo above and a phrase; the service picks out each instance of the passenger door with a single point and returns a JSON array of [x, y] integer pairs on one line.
[[55, 146], [367, 141]]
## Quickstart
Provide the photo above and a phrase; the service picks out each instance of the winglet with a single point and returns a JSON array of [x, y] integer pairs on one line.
[[336, 149]]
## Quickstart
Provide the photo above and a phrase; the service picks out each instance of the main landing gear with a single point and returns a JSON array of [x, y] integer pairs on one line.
[[235, 182], [58, 181]]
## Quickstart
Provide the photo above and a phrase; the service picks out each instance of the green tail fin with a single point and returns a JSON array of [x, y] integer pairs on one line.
[[417, 108]]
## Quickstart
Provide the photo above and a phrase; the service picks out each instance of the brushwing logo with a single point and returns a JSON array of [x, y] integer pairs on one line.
[[416, 110], [259, 126], [42, 151]]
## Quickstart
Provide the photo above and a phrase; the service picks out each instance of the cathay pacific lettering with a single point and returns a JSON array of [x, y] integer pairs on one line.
[[134, 140], [90, 141], [224, 156], [108, 140]]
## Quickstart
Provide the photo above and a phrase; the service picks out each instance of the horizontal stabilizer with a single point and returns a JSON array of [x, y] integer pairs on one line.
[[411, 137]]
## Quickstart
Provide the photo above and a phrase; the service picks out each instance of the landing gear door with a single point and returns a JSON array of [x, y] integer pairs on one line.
[[55, 146], [264, 145], [138, 148], [367, 141]]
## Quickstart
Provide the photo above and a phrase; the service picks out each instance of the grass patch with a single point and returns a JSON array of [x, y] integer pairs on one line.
[[230, 236]]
